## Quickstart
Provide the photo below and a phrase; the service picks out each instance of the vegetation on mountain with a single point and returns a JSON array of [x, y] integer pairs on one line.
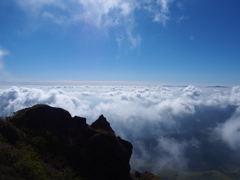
[[43, 142]]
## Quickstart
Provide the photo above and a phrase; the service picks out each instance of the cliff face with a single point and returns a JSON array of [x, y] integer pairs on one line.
[[63, 145]]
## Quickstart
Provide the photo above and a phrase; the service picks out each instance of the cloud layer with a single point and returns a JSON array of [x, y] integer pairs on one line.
[[144, 115]]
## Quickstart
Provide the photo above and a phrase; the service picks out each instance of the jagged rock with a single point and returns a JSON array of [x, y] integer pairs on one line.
[[80, 121], [40, 118], [102, 124], [93, 152], [144, 176]]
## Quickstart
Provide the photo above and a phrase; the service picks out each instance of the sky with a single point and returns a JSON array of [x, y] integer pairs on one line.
[[117, 58], [163, 41]]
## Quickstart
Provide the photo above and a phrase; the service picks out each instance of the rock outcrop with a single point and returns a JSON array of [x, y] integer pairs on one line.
[[59, 142], [144, 176]]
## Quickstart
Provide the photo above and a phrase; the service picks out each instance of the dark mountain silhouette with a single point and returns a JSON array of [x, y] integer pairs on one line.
[[144, 176], [43, 142]]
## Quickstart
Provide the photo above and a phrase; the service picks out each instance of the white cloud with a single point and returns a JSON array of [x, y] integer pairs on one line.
[[161, 106], [102, 14], [174, 153], [106, 13], [143, 113], [191, 91], [234, 95], [164, 5], [17, 98], [134, 40], [230, 131]]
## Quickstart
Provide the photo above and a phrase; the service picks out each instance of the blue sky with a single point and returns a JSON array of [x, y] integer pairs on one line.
[[165, 41]]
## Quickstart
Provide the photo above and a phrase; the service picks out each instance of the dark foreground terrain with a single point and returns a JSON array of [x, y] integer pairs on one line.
[[46, 143]]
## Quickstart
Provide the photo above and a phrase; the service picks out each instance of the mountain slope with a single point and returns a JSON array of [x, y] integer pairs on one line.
[[43, 142]]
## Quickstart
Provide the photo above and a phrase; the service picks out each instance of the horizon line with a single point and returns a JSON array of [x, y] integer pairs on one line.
[[35, 82]]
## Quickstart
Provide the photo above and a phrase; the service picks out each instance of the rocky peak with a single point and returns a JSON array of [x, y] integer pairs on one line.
[[102, 124]]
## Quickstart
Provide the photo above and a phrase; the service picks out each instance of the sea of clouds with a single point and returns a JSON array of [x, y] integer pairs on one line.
[[141, 113]]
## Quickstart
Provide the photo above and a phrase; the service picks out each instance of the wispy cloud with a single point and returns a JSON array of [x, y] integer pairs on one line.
[[230, 131], [4, 75], [37, 5], [180, 5], [160, 11], [181, 18], [2, 54], [98, 13], [106, 13], [101, 14]]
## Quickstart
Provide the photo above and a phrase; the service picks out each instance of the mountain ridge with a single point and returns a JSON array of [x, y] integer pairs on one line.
[[44, 142]]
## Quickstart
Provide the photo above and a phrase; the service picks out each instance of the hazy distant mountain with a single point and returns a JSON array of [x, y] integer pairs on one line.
[[217, 86]]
